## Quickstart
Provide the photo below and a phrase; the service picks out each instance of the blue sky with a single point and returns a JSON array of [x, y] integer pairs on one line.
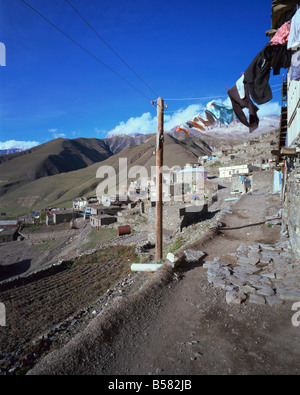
[[183, 49]]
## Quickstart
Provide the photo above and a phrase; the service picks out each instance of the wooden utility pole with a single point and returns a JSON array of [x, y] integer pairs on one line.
[[159, 164]]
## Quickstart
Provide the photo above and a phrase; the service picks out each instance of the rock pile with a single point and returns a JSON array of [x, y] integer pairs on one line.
[[262, 274]]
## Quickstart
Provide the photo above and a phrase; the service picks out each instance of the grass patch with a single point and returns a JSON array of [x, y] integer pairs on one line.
[[117, 254], [215, 164], [47, 245], [177, 244], [96, 237]]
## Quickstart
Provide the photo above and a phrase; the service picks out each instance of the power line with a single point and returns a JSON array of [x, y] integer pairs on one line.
[[196, 98], [85, 50], [109, 46], [210, 97]]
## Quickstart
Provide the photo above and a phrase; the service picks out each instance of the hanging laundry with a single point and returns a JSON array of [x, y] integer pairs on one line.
[[282, 35], [295, 66], [239, 103], [282, 10], [182, 129], [201, 121], [257, 75], [294, 37], [222, 113], [241, 87], [210, 118], [197, 126], [281, 58], [189, 124], [206, 122]]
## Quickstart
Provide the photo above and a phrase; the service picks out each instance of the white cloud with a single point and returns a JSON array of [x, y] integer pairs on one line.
[[147, 123], [56, 134], [271, 108], [144, 124], [18, 144], [59, 135]]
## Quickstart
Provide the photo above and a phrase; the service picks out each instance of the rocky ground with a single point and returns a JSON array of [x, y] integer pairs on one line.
[[229, 313]]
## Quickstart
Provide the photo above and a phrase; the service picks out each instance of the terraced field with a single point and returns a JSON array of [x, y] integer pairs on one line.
[[36, 305]]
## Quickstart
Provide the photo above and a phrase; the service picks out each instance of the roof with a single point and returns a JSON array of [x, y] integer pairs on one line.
[[193, 170], [9, 223]]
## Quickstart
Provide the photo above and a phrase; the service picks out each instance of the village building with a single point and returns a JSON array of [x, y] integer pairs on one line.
[[231, 171], [80, 203], [9, 224], [102, 220], [62, 216], [8, 234]]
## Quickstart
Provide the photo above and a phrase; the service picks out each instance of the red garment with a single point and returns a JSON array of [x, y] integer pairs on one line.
[[179, 129], [282, 35], [197, 125]]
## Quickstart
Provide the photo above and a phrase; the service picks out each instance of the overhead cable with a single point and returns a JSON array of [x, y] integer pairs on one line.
[[196, 98], [86, 50], [109, 46], [211, 97]]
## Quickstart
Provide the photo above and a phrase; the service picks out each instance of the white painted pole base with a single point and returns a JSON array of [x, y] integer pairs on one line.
[[145, 267]]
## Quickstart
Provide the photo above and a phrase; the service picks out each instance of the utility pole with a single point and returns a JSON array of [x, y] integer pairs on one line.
[[159, 164]]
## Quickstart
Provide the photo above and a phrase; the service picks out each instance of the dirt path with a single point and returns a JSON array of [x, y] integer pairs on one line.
[[181, 324]]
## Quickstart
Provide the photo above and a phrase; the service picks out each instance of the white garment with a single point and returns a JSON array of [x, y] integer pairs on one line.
[[241, 87], [294, 37]]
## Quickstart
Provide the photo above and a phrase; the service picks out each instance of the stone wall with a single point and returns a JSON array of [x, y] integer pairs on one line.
[[262, 181], [175, 218], [291, 208], [60, 218]]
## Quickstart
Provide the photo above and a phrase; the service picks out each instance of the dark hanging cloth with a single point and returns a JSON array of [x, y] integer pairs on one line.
[[238, 104], [258, 73], [257, 76], [282, 11]]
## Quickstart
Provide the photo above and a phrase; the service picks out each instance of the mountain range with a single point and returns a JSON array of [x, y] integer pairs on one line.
[[10, 151], [56, 172]]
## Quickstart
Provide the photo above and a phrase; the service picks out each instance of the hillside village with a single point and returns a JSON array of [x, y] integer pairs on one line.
[[252, 158]]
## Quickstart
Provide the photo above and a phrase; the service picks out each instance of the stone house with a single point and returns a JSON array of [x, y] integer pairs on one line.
[[175, 218], [8, 235], [102, 220], [9, 224], [231, 171], [60, 217]]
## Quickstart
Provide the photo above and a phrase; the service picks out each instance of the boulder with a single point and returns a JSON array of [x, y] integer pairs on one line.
[[193, 256]]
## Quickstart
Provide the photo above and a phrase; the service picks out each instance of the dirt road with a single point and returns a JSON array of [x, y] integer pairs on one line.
[[179, 324]]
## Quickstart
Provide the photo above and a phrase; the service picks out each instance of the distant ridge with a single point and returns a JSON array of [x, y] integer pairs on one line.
[[10, 151], [18, 193]]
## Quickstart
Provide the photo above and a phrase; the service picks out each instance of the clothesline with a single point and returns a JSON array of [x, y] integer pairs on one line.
[[196, 98], [208, 97], [203, 107]]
